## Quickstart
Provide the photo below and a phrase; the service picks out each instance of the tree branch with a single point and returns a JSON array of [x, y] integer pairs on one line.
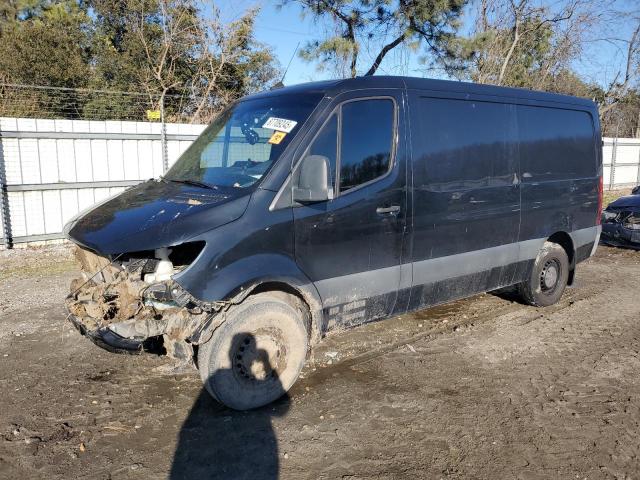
[[388, 47]]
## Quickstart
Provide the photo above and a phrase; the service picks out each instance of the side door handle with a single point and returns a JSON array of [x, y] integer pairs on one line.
[[392, 210]]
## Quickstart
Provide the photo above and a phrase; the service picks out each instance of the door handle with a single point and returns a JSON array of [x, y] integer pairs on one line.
[[392, 210]]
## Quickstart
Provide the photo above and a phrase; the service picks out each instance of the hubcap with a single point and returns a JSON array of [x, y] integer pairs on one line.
[[549, 275], [259, 357]]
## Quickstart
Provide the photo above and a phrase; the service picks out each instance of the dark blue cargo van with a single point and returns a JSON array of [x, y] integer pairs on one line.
[[331, 204]]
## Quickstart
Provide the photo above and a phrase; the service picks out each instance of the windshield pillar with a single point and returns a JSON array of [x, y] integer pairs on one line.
[[225, 148]]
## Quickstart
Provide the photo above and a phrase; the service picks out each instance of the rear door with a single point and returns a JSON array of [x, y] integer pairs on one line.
[[351, 245], [560, 172]]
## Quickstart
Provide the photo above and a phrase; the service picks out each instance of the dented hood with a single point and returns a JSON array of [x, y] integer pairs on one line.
[[155, 214]]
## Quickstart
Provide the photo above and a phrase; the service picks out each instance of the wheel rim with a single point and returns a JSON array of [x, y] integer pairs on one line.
[[550, 275], [259, 357]]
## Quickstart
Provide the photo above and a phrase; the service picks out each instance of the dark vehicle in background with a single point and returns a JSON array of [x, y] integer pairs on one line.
[[621, 221], [327, 205]]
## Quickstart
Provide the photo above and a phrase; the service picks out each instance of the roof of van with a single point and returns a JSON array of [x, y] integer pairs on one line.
[[335, 87]]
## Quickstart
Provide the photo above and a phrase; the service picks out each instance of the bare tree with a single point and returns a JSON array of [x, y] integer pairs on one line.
[[387, 24], [225, 61], [231, 63], [513, 39], [162, 43], [619, 87]]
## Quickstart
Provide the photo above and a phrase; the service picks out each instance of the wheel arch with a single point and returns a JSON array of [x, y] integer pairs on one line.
[[297, 287], [563, 239], [306, 295]]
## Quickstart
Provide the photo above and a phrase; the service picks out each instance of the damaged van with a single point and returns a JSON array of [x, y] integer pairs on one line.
[[323, 206]]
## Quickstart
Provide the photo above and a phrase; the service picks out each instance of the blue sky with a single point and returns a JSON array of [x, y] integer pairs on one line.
[[282, 29]]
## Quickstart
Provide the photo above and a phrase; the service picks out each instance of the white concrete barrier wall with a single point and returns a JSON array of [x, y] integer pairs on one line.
[[45, 160]]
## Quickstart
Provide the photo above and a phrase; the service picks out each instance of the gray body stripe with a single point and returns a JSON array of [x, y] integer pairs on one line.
[[461, 264], [585, 236], [357, 286], [597, 241], [362, 285]]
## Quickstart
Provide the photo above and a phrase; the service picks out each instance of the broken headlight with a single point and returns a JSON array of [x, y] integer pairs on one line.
[[158, 265]]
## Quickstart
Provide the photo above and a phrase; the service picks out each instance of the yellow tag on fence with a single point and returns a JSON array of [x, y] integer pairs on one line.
[[153, 114], [277, 137]]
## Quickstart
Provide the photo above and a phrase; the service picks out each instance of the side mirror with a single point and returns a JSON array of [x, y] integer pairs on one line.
[[313, 180]]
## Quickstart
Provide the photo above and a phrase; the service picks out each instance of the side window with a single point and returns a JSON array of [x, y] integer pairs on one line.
[[326, 145], [555, 144], [366, 141], [464, 144]]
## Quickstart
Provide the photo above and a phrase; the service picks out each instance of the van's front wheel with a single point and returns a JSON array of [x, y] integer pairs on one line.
[[256, 355], [549, 277]]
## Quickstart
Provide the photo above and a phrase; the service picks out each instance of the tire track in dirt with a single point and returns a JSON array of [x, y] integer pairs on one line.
[[582, 414], [570, 298]]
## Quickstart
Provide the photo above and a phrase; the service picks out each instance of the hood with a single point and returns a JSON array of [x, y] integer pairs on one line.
[[155, 214], [625, 202]]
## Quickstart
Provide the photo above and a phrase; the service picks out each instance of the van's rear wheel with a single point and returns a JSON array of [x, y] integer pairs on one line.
[[256, 355], [548, 278]]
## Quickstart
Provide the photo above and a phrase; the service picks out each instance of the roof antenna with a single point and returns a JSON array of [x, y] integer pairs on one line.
[[280, 84]]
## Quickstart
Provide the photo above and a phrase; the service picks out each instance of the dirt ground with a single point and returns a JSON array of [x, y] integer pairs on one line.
[[482, 388]]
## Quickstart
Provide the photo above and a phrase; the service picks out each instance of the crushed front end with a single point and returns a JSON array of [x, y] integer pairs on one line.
[[621, 226], [128, 303]]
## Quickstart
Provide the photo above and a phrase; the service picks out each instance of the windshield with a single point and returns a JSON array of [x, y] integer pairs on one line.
[[243, 142]]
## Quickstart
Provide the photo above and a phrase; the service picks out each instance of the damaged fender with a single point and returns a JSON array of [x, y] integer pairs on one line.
[[263, 255]]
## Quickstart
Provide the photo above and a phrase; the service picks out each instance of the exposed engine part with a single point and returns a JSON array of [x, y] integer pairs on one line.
[[621, 226], [164, 267], [118, 310]]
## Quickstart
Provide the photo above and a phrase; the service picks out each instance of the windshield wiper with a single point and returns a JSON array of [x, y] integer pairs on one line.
[[187, 181]]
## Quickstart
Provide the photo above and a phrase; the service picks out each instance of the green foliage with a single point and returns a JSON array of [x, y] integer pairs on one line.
[[44, 43], [381, 26], [165, 49], [49, 47]]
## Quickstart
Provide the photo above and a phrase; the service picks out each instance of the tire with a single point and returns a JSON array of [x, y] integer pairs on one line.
[[548, 278], [257, 354]]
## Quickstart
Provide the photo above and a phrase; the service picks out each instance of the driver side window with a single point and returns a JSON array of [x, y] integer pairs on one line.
[[363, 151], [366, 141]]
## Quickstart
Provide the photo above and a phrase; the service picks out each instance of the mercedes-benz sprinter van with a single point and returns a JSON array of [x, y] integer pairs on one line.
[[331, 204]]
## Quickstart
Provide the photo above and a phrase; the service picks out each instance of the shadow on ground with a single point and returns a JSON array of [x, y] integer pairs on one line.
[[510, 294], [217, 442]]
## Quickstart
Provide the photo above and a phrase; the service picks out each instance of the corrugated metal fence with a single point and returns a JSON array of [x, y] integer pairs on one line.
[[52, 169], [621, 162]]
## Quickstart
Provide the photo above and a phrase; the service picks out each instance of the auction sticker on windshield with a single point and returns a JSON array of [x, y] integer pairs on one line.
[[277, 137], [280, 124]]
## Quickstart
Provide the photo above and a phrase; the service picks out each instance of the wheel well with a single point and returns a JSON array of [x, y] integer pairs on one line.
[[292, 296], [564, 240]]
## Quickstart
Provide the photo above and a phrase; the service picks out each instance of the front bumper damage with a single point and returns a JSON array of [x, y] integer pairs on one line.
[[114, 307], [621, 228]]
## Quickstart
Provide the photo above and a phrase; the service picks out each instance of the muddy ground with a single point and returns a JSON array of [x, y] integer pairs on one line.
[[482, 388]]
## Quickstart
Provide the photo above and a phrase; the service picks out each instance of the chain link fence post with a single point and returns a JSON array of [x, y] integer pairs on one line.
[[612, 169], [163, 138], [4, 201]]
